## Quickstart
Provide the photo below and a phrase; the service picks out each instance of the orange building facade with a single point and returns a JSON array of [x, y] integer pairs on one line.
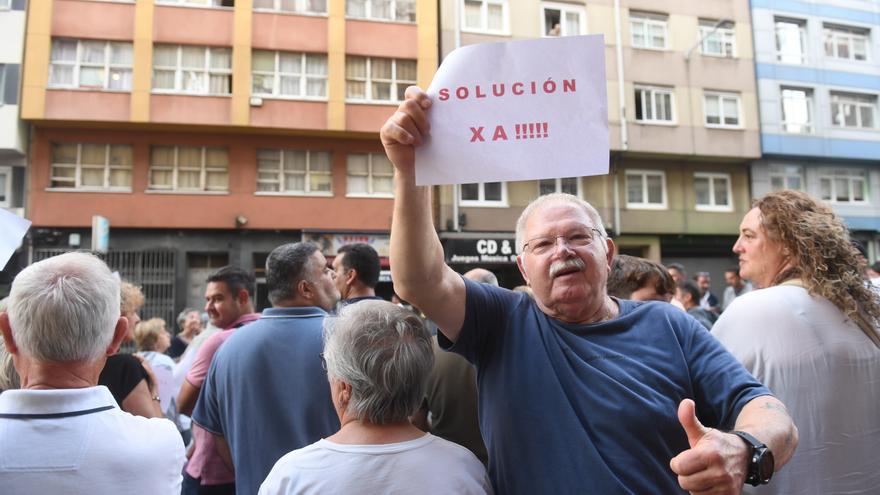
[[209, 134]]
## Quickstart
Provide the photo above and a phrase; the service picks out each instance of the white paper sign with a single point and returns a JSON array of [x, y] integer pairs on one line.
[[12, 230], [520, 110]]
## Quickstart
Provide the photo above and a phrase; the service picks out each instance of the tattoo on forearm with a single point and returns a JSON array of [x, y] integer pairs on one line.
[[774, 406]]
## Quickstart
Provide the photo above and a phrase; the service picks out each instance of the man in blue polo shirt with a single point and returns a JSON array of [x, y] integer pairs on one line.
[[580, 392], [266, 392]]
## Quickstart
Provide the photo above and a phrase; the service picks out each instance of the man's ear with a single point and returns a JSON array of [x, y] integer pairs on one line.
[[350, 276], [609, 252], [11, 348], [304, 290], [242, 297], [522, 268], [119, 334]]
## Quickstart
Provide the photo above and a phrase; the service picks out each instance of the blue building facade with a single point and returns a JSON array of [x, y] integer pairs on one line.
[[818, 74]]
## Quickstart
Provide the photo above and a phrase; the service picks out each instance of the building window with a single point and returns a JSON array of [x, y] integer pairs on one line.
[[91, 166], [370, 174], [289, 74], [200, 3], [5, 4], [844, 186], [570, 185], [718, 39], [791, 40], [200, 70], [648, 30], [786, 177], [102, 65], [488, 16], [797, 110], [847, 43], [294, 172], [722, 110], [382, 10], [713, 192], [378, 79], [5, 186], [297, 6], [9, 84], [189, 169], [646, 189], [853, 110], [484, 194], [562, 19], [654, 105]]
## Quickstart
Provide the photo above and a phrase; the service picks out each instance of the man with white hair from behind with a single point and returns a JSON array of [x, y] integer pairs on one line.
[[61, 430]]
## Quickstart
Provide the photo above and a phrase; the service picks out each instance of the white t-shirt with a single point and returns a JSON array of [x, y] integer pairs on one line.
[[827, 373], [426, 465], [78, 441]]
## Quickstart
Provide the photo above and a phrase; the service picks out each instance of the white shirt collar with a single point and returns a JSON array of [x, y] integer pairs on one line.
[[56, 401]]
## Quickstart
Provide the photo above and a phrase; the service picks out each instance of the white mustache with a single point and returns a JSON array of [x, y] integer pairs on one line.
[[558, 266]]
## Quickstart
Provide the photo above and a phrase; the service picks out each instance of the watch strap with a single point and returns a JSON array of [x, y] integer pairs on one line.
[[757, 449]]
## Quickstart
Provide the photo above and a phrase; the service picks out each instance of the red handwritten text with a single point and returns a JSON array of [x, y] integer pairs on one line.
[[500, 89]]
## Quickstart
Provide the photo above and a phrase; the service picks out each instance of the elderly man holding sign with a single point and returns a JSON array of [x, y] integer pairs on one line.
[[579, 391]]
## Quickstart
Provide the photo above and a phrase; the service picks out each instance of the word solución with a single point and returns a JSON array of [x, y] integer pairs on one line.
[[535, 130], [500, 89]]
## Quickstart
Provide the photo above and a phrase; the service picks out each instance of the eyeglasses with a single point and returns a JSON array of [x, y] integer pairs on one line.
[[575, 238], [323, 361]]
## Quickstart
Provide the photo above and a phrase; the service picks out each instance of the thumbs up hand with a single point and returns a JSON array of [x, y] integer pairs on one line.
[[715, 463]]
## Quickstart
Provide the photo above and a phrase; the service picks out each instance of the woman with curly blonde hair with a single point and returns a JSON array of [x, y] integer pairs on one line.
[[810, 333]]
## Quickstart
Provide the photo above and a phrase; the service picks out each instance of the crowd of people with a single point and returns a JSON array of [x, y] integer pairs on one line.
[[605, 374]]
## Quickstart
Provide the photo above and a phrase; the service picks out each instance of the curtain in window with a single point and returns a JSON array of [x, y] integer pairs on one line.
[[357, 174], [217, 165], [355, 74], [473, 15], [383, 173], [268, 167], [356, 8], [380, 70], [381, 9]]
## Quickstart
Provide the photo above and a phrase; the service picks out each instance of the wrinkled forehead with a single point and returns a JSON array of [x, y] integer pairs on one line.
[[752, 221], [556, 216]]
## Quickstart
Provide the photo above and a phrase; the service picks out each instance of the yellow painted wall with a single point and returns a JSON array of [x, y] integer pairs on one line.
[[241, 62], [38, 46], [336, 65], [142, 72]]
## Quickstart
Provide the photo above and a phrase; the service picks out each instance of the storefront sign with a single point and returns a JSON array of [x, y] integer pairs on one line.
[[480, 251]]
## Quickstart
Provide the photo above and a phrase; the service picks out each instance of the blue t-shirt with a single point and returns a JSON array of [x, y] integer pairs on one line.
[[267, 393], [592, 408]]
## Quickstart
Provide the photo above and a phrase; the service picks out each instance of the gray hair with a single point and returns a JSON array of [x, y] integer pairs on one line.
[[8, 376], [181, 317], [285, 267], [385, 353], [482, 276], [557, 198], [64, 308]]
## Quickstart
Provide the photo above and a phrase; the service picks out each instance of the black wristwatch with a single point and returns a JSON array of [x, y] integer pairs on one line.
[[761, 463]]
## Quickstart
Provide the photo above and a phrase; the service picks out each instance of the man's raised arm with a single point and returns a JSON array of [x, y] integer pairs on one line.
[[420, 275]]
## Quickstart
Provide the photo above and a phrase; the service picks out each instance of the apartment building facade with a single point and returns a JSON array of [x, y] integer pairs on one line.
[[683, 124], [819, 83], [208, 132], [13, 133]]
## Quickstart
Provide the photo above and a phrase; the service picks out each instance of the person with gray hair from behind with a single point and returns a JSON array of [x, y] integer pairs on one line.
[[61, 432], [377, 356]]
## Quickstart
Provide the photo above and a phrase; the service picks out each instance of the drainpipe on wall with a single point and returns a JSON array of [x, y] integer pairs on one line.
[[621, 95]]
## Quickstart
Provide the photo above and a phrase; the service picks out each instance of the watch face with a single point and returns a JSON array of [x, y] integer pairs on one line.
[[766, 464]]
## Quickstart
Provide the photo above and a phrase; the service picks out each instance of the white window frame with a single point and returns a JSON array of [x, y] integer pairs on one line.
[[307, 175], [303, 77], [724, 34], [368, 82], [654, 91], [563, 8], [809, 126], [643, 174], [302, 7], [77, 181], [802, 39], [643, 21], [558, 185], [837, 35], [850, 175], [482, 202], [712, 177], [6, 170], [368, 9], [370, 174], [853, 101], [722, 96], [203, 4], [78, 64], [206, 72], [484, 17], [175, 169], [779, 171]]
